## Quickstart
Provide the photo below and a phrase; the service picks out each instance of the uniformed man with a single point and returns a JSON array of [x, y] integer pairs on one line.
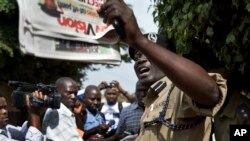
[[236, 109], [182, 97]]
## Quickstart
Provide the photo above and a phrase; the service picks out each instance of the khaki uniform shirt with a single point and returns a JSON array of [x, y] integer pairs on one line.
[[236, 111], [181, 110]]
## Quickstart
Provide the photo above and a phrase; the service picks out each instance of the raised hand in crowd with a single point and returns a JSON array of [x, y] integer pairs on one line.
[[103, 85], [123, 92], [34, 110]]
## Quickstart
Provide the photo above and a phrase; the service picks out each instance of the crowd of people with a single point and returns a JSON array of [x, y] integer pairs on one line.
[[175, 98], [83, 118]]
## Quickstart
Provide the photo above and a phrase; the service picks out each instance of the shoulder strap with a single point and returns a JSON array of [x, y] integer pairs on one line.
[[120, 106]]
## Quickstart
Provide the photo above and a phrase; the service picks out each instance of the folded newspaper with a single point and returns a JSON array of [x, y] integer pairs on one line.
[[67, 29]]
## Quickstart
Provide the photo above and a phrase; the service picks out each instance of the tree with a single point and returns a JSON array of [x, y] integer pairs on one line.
[[216, 34]]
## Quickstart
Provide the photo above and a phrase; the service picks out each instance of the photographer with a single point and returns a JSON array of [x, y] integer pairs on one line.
[[116, 84], [30, 129], [129, 124], [112, 108]]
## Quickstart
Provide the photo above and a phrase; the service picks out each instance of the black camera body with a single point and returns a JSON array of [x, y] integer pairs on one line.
[[111, 84], [21, 89]]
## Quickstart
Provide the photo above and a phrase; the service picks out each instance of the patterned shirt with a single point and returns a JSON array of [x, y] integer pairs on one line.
[[60, 125], [11, 133], [130, 119]]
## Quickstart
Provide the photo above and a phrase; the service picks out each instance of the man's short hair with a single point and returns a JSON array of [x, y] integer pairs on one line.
[[60, 82], [158, 39]]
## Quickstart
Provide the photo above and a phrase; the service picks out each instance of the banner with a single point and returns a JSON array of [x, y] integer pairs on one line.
[[67, 19], [66, 29]]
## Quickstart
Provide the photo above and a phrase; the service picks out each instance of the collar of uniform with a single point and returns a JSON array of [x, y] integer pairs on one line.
[[158, 86], [97, 112]]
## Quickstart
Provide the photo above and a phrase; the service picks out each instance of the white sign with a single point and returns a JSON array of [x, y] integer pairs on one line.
[[67, 29]]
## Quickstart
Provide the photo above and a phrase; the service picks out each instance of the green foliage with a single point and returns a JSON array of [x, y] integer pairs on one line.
[[212, 33], [8, 6], [4, 47]]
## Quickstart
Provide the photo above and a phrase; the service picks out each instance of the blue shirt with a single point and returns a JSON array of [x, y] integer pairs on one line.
[[92, 120]]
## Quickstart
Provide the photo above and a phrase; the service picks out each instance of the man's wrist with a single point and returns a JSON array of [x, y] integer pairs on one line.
[[35, 120]]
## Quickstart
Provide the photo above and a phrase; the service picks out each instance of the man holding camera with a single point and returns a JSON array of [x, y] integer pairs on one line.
[[129, 124], [30, 129], [112, 108]]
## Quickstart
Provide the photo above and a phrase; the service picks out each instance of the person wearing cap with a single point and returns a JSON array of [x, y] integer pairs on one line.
[[182, 97]]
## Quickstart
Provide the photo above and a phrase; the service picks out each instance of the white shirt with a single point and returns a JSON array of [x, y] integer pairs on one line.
[[112, 113], [14, 133], [60, 125]]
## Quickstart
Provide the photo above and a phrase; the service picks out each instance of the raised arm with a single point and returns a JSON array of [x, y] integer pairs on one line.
[[187, 75], [125, 93], [34, 121]]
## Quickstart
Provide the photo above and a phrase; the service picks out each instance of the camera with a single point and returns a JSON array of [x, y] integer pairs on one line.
[[111, 85], [21, 89]]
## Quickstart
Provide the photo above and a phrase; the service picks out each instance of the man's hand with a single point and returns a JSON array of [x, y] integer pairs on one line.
[[103, 85], [117, 9], [119, 89], [95, 138], [103, 128], [118, 86], [35, 111], [33, 108]]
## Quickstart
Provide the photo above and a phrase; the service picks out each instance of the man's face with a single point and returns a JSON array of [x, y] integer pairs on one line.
[[3, 112], [111, 95], [93, 100], [147, 72], [68, 94]]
